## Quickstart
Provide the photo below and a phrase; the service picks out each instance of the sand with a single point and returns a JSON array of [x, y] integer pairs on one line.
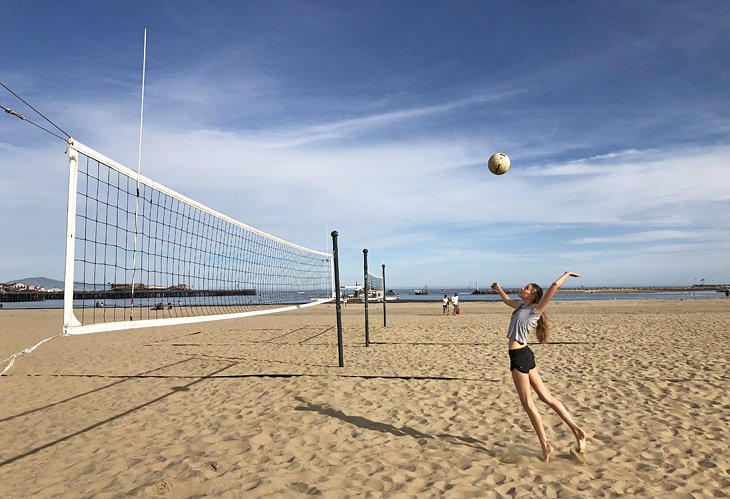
[[258, 407]]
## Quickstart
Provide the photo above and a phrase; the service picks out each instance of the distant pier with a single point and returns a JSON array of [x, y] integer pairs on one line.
[[24, 296]]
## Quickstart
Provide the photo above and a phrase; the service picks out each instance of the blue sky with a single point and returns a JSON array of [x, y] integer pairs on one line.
[[377, 118]]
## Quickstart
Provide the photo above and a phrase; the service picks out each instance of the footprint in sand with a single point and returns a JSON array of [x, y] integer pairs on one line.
[[173, 451], [162, 487], [578, 456]]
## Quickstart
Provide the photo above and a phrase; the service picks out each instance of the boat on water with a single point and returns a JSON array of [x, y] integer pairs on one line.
[[422, 291], [379, 298]]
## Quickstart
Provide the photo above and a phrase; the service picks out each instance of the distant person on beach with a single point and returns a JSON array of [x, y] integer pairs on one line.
[[528, 314], [455, 302], [727, 294], [344, 300], [446, 305]]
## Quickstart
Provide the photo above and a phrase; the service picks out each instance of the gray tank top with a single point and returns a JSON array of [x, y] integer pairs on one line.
[[523, 320]]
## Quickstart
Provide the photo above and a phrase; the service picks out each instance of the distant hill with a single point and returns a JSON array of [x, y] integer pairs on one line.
[[42, 282]]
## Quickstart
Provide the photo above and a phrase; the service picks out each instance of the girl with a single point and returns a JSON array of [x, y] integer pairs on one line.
[[528, 314]]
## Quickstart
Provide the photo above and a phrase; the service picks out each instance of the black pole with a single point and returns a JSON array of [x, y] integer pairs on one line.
[[385, 320], [367, 292], [337, 299]]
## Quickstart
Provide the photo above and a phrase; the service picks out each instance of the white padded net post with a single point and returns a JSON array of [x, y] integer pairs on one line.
[[191, 263]]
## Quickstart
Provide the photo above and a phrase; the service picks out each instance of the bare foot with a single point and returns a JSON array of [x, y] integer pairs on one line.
[[580, 437], [547, 452]]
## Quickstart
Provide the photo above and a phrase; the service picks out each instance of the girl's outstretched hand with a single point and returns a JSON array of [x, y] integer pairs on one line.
[[494, 285], [571, 274]]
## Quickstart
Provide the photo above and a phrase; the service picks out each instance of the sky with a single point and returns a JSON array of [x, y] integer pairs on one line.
[[377, 118]]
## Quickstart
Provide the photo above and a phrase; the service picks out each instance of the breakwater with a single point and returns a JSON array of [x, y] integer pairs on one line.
[[649, 289]]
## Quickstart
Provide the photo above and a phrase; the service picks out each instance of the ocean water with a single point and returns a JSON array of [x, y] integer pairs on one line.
[[195, 301], [436, 295], [408, 295]]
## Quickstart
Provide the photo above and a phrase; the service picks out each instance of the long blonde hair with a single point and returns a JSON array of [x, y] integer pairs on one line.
[[542, 329]]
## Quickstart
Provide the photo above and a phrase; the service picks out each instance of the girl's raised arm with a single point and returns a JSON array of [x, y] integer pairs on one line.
[[505, 297], [540, 308]]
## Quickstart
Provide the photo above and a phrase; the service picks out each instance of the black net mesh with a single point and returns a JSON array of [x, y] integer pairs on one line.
[[175, 259]]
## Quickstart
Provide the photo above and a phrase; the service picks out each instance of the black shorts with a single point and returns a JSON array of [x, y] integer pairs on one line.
[[522, 359]]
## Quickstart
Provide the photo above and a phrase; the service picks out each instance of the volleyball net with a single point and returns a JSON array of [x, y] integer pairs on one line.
[[375, 286], [138, 254]]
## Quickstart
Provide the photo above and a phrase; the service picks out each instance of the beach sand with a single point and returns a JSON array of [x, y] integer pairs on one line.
[[258, 407]]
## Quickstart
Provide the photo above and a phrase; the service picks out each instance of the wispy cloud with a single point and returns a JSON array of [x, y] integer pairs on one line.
[[355, 126], [654, 235], [12, 148]]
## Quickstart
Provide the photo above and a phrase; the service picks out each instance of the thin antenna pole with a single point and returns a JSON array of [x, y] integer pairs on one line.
[[139, 168], [326, 221], [141, 111]]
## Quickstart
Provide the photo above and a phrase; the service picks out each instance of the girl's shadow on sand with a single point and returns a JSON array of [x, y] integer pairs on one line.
[[403, 431], [523, 454]]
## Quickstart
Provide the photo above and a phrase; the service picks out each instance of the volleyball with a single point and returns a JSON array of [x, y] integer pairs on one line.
[[498, 163]]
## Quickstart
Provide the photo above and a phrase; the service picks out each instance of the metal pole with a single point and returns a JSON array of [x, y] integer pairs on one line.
[[337, 299], [385, 320], [367, 291]]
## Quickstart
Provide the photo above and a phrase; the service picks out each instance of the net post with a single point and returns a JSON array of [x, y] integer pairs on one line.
[[385, 315], [365, 299], [69, 320], [338, 307]]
